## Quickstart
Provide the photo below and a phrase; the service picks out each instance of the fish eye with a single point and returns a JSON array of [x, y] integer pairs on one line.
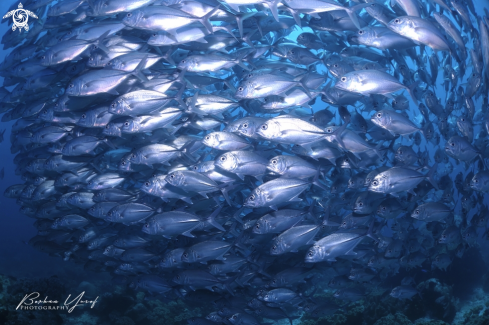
[[452, 144], [360, 204], [195, 167], [129, 14], [223, 158], [126, 124], [335, 65], [257, 226], [375, 183], [252, 198], [360, 32], [274, 161], [379, 115], [245, 125], [240, 89], [147, 184], [274, 247], [71, 85], [207, 137], [183, 61], [417, 211], [329, 130], [43, 57], [397, 21], [172, 176], [264, 127], [83, 116], [343, 79]]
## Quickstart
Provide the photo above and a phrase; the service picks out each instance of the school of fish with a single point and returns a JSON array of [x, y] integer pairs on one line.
[[251, 152]]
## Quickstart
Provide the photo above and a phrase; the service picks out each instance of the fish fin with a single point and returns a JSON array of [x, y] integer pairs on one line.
[[110, 144], [316, 182], [187, 199], [411, 91], [113, 92], [188, 233], [274, 207], [98, 43], [431, 175], [205, 19], [167, 55], [204, 194], [185, 153], [233, 6], [212, 221], [273, 8], [377, 149], [193, 101], [138, 71], [241, 176], [304, 86], [337, 134], [353, 16], [240, 17]]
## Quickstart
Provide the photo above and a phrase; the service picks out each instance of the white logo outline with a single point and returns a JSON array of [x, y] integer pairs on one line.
[[20, 17]]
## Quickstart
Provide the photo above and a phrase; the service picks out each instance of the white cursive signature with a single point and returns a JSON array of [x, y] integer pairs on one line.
[[30, 299]]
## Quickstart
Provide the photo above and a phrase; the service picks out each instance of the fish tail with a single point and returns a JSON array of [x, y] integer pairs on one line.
[[353, 16], [272, 5], [138, 72], [431, 176], [205, 19], [212, 219], [410, 89]]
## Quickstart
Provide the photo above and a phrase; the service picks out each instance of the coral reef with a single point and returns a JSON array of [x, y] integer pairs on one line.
[[122, 306], [398, 318]]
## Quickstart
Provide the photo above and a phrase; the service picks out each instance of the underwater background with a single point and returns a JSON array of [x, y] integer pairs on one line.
[[458, 294]]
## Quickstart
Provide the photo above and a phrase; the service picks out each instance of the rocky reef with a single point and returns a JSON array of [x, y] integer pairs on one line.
[[119, 305]]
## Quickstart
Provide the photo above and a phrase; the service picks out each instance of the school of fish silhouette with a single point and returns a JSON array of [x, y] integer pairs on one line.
[[252, 148]]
